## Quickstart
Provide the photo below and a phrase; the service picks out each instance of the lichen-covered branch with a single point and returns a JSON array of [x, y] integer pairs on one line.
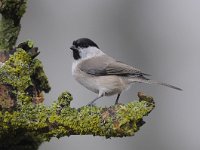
[[25, 120], [11, 13], [42, 123], [61, 120]]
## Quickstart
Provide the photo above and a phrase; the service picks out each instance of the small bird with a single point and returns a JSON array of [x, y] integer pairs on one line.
[[101, 73]]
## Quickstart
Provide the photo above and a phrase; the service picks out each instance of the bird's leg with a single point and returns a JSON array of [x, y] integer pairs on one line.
[[116, 101], [92, 102]]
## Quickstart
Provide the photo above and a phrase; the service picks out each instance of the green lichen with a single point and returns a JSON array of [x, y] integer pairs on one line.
[[11, 73], [30, 43], [11, 13], [13, 8], [24, 74], [8, 33]]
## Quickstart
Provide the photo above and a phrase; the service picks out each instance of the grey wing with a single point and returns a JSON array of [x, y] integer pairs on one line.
[[96, 66], [122, 69], [105, 65]]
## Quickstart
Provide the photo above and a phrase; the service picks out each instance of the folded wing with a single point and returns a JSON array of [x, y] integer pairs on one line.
[[105, 65]]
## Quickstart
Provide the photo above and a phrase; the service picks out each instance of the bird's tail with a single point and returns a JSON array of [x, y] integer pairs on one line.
[[143, 79]]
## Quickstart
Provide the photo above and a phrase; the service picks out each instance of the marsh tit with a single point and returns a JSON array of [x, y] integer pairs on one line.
[[101, 73]]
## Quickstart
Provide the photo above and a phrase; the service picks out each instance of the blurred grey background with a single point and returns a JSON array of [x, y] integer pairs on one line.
[[160, 37]]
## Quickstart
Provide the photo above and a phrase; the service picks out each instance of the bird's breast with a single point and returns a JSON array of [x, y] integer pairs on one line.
[[86, 80]]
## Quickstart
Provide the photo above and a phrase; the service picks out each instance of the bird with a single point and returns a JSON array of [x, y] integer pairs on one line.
[[102, 74]]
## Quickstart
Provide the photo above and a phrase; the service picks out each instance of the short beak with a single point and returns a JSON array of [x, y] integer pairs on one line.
[[73, 48]]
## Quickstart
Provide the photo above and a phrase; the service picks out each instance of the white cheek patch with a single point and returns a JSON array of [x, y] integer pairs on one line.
[[90, 52]]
